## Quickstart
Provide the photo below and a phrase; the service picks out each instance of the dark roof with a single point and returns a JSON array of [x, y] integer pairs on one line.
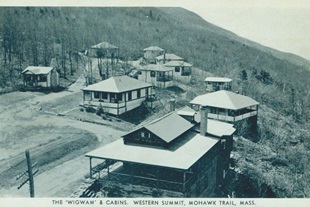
[[168, 127], [117, 85]]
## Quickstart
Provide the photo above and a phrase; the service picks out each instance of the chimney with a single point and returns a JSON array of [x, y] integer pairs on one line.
[[203, 120], [172, 104]]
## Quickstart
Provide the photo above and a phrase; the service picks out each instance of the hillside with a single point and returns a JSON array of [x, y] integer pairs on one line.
[[279, 81]]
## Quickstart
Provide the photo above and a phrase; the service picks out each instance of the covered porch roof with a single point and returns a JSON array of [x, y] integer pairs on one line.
[[182, 158]]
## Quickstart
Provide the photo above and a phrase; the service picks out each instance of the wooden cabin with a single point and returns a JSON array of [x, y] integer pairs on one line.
[[117, 95], [40, 77], [103, 50], [171, 153], [217, 83], [182, 71], [167, 57], [156, 74], [227, 106], [151, 53]]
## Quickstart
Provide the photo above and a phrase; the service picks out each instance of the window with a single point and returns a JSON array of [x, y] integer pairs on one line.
[[104, 95], [42, 78], [142, 134], [138, 93], [177, 69], [186, 71], [129, 96], [96, 95], [119, 97], [152, 74], [149, 135]]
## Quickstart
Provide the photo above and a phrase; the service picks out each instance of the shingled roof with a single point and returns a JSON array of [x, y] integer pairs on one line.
[[168, 127], [117, 84], [224, 99]]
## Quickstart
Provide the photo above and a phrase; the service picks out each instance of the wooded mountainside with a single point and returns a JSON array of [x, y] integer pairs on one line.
[[280, 81]]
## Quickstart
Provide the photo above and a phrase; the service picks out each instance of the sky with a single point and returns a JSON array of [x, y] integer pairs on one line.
[[281, 24]]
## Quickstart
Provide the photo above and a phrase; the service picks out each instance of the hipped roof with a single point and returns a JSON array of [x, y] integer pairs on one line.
[[153, 48], [181, 158], [168, 127], [169, 56], [217, 79], [104, 45], [155, 67], [174, 63], [224, 99], [117, 85]]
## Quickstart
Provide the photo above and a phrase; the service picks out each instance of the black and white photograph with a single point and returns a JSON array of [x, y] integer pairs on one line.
[[147, 100]]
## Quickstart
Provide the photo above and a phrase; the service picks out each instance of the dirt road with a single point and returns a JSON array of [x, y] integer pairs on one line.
[[25, 124]]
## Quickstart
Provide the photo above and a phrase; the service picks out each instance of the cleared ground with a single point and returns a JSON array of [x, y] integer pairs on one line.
[[48, 125]]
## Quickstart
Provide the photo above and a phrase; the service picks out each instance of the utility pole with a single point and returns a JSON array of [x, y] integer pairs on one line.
[[30, 175]]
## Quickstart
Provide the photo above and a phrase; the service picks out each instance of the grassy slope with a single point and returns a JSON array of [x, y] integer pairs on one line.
[[212, 49]]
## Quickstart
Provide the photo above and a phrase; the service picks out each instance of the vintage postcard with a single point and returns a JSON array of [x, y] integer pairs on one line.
[[158, 103]]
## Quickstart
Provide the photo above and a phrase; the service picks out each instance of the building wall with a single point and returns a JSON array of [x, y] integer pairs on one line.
[[216, 86], [146, 77], [150, 55], [117, 107], [145, 137], [178, 74]]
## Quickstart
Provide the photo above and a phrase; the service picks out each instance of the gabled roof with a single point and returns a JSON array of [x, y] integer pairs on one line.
[[155, 67], [181, 158], [217, 79], [169, 56], [224, 99], [37, 70], [168, 127], [153, 48], [117, 85], [104, 45], [174, 63]]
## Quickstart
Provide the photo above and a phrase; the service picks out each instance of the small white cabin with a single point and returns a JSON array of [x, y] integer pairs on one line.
[[40, 77], [117, 95]]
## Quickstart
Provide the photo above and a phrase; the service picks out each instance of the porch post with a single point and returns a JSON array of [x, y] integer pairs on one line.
[[131, 165], [157, 179], [184, 182], [83, 97], [108, 168], [90, 168]]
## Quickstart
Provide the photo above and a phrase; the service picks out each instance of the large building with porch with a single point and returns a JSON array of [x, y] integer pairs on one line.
[[156, 74], [228, 106], [36, 77], [117, 95], [182, 71], [171, 153]]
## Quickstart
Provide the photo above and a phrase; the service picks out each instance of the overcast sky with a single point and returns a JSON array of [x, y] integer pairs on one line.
[[280, 24]]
